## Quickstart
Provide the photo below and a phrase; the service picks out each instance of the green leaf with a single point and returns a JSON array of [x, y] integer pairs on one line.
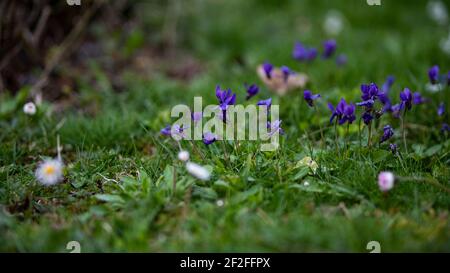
[[221, 185], [78, 183], [433, 150], [418, 149], [380, 155], [110, 198], [145, 181], [168, 176], [303, 171], [204, 192]]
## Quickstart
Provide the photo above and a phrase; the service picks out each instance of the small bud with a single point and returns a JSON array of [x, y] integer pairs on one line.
[[183, 155]]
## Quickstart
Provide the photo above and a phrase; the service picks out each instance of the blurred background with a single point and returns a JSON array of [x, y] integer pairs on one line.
[[54, 47]]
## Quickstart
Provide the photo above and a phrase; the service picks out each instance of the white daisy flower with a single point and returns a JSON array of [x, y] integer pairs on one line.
[[50, 172], [220, 203], [183, 155], [198, 171], [29, 108]]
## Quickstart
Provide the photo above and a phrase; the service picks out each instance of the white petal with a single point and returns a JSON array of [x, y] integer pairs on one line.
[[198, 171]]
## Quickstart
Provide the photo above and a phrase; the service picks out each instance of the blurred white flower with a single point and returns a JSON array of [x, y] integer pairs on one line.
[[437, 11], [386, 181], [220, 203], [306, 183], [29, 108], [433, 88], [198, 171], [183, 155], [50, 172], [333, 23], [445, 44]]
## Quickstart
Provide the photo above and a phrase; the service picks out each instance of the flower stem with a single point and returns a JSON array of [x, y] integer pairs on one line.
[[369, 138], [197, 151], [400, 159], [336, 136], [359, 133], [58, 148], [224, 148], [346, 138], [237, 145], [174, 180], [404, 131]]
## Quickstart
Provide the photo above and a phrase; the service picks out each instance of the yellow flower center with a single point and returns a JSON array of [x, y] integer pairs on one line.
[[49, 170]]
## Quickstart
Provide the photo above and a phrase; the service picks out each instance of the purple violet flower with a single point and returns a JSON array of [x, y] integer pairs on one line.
[[384, 97], [388, 132], [209, 138], [406, 98], [448, 78], [396, 110], [343, 112], [268, 67], [393, 148], [309, 97], [267, 103], [302, 53], [225, 97], [275, 127], [166, 130], [433, 74], [367, 103], [286, 72], [367, 117], [341, 60], [441, 109], [299, 52], [369, 91], [349, 114], [178, 130], [311, 54], [338, 111], [329, 47], [388, 84], [418, 99], [445, 128], [196, 116], [252, 90]]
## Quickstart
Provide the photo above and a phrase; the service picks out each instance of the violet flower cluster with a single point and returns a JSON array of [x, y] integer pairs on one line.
[[309, 97], [344, 112], [225, 99], [303, 53]]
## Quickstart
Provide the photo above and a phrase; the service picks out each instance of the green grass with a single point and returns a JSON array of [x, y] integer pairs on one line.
[[117, 193]]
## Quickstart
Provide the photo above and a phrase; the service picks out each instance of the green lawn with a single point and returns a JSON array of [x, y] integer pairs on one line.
[[117, 193]]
